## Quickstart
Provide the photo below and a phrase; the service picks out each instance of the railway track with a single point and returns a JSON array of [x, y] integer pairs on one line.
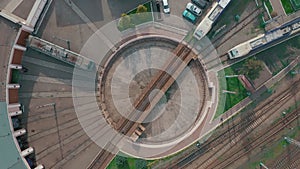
[[266, 136], [143, 104], [204, 92], [289, 159], [295, 160], [253, 121], [265, 113], [127, 126], [244, 22]]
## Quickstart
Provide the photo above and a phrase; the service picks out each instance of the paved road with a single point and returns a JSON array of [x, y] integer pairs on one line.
[[277, 7]]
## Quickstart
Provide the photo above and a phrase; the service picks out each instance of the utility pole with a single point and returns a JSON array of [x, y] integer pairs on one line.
[[261, 165], [292, 141], [230, 76], [227, 91], [294, 72]]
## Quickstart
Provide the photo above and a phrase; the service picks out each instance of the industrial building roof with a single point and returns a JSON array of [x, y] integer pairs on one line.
[[9, 156]]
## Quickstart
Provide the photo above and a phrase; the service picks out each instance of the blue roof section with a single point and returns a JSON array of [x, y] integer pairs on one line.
[[9, 155], [290, 22]]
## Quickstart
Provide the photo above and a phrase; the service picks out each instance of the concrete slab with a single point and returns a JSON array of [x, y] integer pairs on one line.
[[12, 5], [7, 38]]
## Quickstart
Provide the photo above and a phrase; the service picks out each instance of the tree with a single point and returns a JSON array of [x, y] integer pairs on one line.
[[141, 164], [251, 68], [124, 22], [121, 161], [141, 14], [141, 9], [274, 14]]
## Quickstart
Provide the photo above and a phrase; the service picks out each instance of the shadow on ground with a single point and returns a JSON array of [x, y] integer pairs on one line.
[[65, 16]]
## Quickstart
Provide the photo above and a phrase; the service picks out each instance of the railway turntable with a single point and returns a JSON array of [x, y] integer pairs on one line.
[[152, 96]]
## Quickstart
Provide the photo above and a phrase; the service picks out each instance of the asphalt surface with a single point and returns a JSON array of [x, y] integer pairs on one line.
[[49, 117]]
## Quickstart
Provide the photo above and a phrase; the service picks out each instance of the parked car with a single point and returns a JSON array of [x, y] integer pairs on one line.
[[194, 9], [166, 6], [200, 3], [189, 16]]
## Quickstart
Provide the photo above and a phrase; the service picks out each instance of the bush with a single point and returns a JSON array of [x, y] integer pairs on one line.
[[251, 68], [141, 9], [125, 22], [121, 161], [274, 14], [140, 164]]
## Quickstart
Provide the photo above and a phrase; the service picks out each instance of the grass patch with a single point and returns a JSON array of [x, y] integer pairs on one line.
[[233, 84], [112, 164], [129, 164], [147, 5], [287, 6], [148, 16], [269, 5], [296, 4], [227, 100], [136, 18]]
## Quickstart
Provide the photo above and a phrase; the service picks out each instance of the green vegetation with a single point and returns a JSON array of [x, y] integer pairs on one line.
[[125, 22], [121, 162], [137, 16], [146, 5], [262, 23], [288, 8], [273, 151], [141, 14], [279, 56], [251, 68], [296, 4], [227, 101], [276, 58], [269, 5], [140, 164], [141, 9], [233, 84], [15, 76]]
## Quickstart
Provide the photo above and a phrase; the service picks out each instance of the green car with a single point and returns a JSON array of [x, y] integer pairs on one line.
[[189, 16]]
